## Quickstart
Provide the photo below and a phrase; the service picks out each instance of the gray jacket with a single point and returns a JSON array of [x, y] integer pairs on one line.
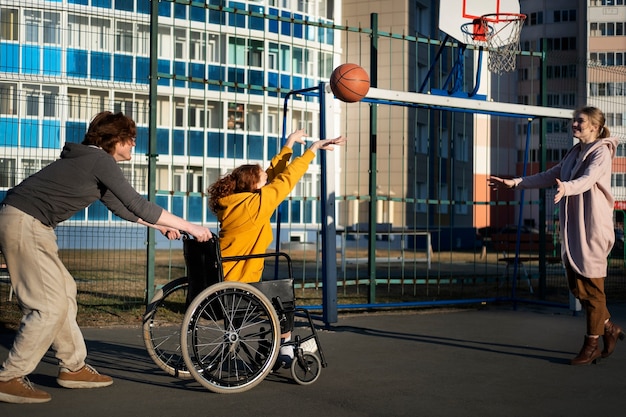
[[83, 175]]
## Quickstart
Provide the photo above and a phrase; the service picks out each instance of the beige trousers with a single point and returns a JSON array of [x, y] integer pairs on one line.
[[46, 293]]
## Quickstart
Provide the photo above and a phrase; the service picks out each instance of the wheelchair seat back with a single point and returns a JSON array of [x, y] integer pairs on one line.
[[203, 265]]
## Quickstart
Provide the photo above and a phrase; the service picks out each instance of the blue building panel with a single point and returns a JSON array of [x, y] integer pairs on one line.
[[272, 83], [165, 9], [255, 147], [76, 63], [123, 68], [163, 142], [234, 145], [256, 78], [164, 67], [216, 73], [105, 4], [180, 11], [178, 142], [75, 131], [125, 5], [196, 143], [194, 208], [81, 2], [178, 206], [217, 17], [52, 59], [141, 141], [31, 59], [50, 134], [10, 54], [235, 19], [142, 69], [197, 71], [285, 27], [272, 24], [197, 14], [256, 23], [273, 146], [101, 65], [98, 211], [162, 201], [295, 211], [29, 135], [9, 128], [214, 145], [236, 75], [298, 28], [143, 6], [180, 70]]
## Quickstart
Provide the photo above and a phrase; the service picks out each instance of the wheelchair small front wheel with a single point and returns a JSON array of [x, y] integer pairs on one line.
[[306, 368]]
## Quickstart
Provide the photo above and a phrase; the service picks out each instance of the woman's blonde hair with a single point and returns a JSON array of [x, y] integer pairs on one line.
[[596, 118]]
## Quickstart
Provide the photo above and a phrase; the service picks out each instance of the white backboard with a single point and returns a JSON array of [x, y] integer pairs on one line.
[[453, 14]]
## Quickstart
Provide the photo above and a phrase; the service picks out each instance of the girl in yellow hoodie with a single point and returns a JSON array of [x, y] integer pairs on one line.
[[244, 201]]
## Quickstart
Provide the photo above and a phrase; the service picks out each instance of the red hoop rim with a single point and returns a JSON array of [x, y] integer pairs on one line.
[[502, 17]]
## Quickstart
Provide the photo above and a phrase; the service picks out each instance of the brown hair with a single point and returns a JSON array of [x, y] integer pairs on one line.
[[596, 118], [243, 179], [107, 129]]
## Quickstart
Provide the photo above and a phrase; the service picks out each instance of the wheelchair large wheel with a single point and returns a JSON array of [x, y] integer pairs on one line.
[[161, 327], [230, 337]]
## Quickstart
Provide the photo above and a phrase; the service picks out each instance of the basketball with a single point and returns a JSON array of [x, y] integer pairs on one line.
[[349, 83]]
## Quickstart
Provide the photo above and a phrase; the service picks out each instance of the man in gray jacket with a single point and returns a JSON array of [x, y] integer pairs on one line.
[[45, 289]]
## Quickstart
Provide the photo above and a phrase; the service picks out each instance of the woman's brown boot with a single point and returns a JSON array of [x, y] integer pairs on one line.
[[612, 332], [590, 353]]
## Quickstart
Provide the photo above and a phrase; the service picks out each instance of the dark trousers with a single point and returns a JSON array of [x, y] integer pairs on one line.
[[590, 293]]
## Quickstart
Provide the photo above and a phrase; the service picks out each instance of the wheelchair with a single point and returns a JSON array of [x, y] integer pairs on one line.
[[228, 339]]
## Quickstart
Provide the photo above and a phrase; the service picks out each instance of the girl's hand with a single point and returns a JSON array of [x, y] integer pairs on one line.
[[328, 144], [296, 137]]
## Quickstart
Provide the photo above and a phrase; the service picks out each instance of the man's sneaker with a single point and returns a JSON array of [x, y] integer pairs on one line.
[[86, 377], [21, 391]]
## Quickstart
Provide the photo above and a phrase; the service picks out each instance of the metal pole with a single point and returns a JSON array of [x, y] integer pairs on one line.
[[371, 249], [150, 241]]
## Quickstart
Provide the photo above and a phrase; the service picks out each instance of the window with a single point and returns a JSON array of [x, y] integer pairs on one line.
[[461, 197], [215, 48], [7, 172], [255, 113], [272, 120], [142, 40], [101, 34], [50, 101], [99, 101], [124, 37], [51, 28], [78, 31], [197, 114], [8, 99], [165, 42], [32, 20], [9, 24], [214, 115], [421, 193], [180, 41], [164, 117], [123, 102], [179, 112], [197, 46], [237, 51], [77, 104], [255, 53]]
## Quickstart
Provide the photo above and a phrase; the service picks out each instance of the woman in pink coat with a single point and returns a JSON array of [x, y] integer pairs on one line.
[[583, 180]]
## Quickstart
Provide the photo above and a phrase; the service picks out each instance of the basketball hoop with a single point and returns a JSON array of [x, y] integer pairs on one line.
[[500, 33]]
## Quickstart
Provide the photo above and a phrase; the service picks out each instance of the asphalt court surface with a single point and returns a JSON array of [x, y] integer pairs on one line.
[[492, 361]]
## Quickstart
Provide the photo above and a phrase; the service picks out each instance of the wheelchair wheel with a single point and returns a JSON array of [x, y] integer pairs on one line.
[[161, 328], [306, 368], [231, 337]]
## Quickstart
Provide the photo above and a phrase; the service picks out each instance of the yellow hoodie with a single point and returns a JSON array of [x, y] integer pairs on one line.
[[245, 227]]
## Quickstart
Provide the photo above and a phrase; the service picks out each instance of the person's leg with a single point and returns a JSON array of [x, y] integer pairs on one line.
[[590, 292], [29, 248]]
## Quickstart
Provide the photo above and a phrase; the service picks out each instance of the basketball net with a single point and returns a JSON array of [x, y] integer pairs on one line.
[[500, 33]]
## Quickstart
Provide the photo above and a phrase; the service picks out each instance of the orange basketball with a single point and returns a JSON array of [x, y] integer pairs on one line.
[[349, 83]]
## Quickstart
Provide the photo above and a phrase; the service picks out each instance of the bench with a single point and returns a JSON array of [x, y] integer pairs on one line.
[[505, 244]]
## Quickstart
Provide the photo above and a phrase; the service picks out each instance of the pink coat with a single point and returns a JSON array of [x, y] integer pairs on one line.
[[586, 210]]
